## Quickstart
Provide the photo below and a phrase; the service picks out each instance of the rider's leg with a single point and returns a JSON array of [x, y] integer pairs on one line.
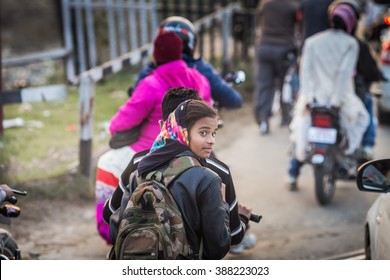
[[293, 172], [369, 135], [109, 169], [265, 90]]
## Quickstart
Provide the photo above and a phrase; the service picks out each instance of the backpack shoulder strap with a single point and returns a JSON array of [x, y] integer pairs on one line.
[[117, 216], [178, 166]]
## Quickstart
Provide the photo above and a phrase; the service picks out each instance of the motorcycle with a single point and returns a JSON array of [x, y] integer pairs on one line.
[[232, 78], [9, 249], [326, 141]]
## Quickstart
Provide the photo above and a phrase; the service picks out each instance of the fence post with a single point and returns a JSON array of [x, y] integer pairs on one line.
[[91, 34], [153, 19], [226, 31], [67, 33], [86, 99], [144, 22], [80, 38], [132, 25], [212, 31], [200, 13], [111, 29], [122, 27], [164, 8]]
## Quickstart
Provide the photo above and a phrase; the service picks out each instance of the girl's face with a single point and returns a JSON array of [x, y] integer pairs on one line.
[[202, 136]]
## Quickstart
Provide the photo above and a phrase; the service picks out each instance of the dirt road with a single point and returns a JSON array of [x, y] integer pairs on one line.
[[294, 226]]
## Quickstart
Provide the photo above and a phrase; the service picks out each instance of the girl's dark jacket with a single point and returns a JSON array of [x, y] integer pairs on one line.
[[205, 216]]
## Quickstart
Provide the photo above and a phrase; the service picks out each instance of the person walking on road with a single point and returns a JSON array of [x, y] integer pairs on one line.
[[314, 17], [275, 52]]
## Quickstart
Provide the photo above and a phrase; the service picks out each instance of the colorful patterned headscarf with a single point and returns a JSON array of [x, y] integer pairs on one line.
[[173, 137], [174, 128]]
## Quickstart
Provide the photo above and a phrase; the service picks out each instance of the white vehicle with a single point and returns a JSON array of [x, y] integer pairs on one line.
[[374, 176]]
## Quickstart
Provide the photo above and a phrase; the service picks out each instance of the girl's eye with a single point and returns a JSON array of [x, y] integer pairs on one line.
[[203, 133], [214, 134]]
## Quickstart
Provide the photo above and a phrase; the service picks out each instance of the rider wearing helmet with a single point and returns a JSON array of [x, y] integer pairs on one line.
[[184, 29], [221, 92], [327, 78]]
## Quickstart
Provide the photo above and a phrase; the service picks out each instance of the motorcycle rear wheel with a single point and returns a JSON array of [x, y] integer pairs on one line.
[[325, 184]]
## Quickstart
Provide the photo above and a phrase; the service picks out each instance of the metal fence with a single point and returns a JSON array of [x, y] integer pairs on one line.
[[99, 31], [95, 31]]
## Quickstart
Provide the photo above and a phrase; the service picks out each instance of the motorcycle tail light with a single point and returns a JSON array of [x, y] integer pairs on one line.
[[319, 151], [386, 19], [385, 53], [321, 120]]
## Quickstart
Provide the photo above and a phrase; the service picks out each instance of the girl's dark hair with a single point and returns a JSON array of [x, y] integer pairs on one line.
[[174, 96], [338, 23], [197, 110]]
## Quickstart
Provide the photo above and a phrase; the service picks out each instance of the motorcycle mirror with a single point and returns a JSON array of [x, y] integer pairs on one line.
[[374, 176], [235, 77], [24, 193], [241, 76]]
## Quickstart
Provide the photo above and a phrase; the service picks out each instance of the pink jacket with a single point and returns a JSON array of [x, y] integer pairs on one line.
[[144, 106]]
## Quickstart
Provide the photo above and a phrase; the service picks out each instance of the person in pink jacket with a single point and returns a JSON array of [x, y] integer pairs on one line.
[[144, 109]]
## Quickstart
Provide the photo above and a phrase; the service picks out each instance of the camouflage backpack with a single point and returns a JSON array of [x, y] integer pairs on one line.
[[151, 226]]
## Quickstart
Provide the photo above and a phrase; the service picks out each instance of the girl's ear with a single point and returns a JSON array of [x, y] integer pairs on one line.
[[186, 132]]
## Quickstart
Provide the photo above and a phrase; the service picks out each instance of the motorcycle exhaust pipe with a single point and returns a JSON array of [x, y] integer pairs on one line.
[[345, 170]]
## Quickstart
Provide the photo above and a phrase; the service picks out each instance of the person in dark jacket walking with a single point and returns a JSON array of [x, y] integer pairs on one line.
[[199, 192], [275, 52], [315, 16]]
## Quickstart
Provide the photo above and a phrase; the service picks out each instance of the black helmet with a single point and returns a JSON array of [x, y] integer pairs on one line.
[[184, 29]]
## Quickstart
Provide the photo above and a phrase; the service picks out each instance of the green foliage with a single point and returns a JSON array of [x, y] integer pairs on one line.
[[48, 142]]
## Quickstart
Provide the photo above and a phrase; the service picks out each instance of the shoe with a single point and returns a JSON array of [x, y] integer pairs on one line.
[[292, 182], [368, 153], [247, 242], [264, 127], [285, 122], [237, 249]]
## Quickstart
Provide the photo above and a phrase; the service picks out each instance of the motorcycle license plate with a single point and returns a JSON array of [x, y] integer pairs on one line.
[[322, 135]]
